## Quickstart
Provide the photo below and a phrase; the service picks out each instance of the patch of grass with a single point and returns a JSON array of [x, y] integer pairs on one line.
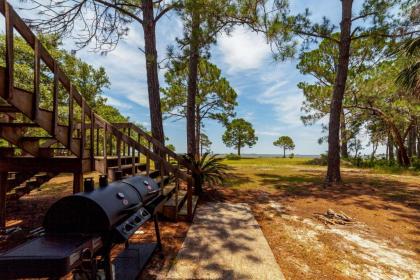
[[276, 161]]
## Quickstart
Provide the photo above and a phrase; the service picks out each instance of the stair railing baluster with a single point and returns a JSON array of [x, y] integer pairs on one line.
[[110, 145], [70, 128], [9, 85], [133, 163], [148, 160], [128, 146], [105, 152], [82, 131], [123, 144], [176, 191], [55, 100], [92, 140], [119, 153], [138, 141], [162, 176], [97, 141], [37, 72]]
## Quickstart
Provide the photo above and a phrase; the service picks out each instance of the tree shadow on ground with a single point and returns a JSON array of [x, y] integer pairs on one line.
[[309, 185], [220, 231], [364, 190]]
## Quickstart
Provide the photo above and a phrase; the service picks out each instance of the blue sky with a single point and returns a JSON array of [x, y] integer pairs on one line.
[[267, 93]]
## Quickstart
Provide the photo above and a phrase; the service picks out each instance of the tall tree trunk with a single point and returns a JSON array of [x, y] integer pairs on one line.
[[284, 152], [411, 142], [374, 148], [198, 131], [149, 29], [192, 81], [239, 147], [333, 171], [390, 149], [343, 134], [399, 157], [418, 141], [413, 136], [402, 154]]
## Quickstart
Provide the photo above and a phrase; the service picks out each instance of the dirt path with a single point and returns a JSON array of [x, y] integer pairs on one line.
[[225, 242]]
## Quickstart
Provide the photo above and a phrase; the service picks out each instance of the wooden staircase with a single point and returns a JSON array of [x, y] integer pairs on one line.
[[42, 143]]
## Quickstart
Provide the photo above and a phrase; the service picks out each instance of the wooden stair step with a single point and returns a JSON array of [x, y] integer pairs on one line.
[[184, 209], [126, 169], [8, 109], [158, 180], [152, 173], [35, 182], [17, 125], [168, 189], [127, 166], [171, 206], [7, 151], [35, 138], [171, 202]]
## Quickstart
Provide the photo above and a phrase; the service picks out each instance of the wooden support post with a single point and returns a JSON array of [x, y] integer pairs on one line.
[[77, 182], [55, 100], [123, 144], [3, 192], [37, 71], [70, 129], [110, 145], [105, 152], [9, 86], [97, 141], [189, 199]]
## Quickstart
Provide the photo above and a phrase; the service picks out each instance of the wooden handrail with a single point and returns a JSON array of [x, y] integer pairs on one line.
[[156, 143]]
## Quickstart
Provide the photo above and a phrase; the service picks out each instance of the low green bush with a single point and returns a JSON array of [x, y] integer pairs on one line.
[[232, 156], [322, 160], [416, 164]]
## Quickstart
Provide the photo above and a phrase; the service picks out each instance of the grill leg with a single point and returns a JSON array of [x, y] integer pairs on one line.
[[3, 192], [109, 275], [159, 243]]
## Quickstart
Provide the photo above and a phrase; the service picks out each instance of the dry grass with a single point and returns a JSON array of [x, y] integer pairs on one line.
[[286, 193]]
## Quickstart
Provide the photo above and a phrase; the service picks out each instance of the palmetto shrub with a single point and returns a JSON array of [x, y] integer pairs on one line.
[[209, 170]]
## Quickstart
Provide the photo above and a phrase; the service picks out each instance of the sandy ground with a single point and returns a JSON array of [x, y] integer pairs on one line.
[[381, 242]]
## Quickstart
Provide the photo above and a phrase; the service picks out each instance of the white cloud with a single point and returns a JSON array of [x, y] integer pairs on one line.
[[286, 102], [117, 103], [139, 96], [243, 49]]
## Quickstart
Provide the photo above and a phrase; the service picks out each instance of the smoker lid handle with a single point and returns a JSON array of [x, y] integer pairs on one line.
[[132, 208], [153, 192]]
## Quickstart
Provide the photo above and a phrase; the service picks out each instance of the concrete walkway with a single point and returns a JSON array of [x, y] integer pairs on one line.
[[225, 242]]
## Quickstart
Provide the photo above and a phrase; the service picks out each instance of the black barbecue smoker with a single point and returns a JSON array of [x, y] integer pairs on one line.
[[82, 229]]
